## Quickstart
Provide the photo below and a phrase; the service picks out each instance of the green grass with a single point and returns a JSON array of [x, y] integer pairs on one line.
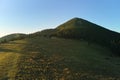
[[57, 59], [78, 28], [9, 56], [12, 37]]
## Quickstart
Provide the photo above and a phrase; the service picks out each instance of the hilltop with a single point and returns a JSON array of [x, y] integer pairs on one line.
[[81, 29], [11, 37], [78, 28]]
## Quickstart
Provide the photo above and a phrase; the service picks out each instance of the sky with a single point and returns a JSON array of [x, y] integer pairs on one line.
[[28, 16]]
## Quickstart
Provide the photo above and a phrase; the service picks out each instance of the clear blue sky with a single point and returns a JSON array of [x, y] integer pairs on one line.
[[26, 16]]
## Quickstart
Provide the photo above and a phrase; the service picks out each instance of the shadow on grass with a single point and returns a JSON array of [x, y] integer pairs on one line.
[[8, 50]]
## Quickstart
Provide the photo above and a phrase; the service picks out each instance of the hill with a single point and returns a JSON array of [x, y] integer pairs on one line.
[[43, 33], [78, 28], [62, 54], [81, 29], [12, 37]]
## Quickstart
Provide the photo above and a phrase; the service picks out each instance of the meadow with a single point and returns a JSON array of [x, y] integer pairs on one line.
[[42, 58]]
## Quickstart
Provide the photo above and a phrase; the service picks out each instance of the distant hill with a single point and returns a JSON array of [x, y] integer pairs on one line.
[[43, 33], [12, 37]]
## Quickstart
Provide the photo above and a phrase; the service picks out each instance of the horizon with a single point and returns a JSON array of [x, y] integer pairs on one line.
[[28, 16]]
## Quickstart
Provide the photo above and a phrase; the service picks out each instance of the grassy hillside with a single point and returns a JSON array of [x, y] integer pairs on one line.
[[43, 33], [78, 28], [81, 29], [75, 50], [44, 58], [11, 37], [9, 56]]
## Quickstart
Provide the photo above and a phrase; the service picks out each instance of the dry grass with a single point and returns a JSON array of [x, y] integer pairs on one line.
[[56, 59]]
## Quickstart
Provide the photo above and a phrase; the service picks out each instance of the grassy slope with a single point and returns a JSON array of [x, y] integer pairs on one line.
[[77, 28], [45, 58], [9, 56], [12, 37]]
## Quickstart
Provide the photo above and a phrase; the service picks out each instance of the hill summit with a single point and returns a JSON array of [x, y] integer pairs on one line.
[[11, 37], [78, 28]]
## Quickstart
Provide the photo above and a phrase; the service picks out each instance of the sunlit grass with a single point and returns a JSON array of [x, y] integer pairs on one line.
[[57, 59], [8, 62], [9, 58]]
